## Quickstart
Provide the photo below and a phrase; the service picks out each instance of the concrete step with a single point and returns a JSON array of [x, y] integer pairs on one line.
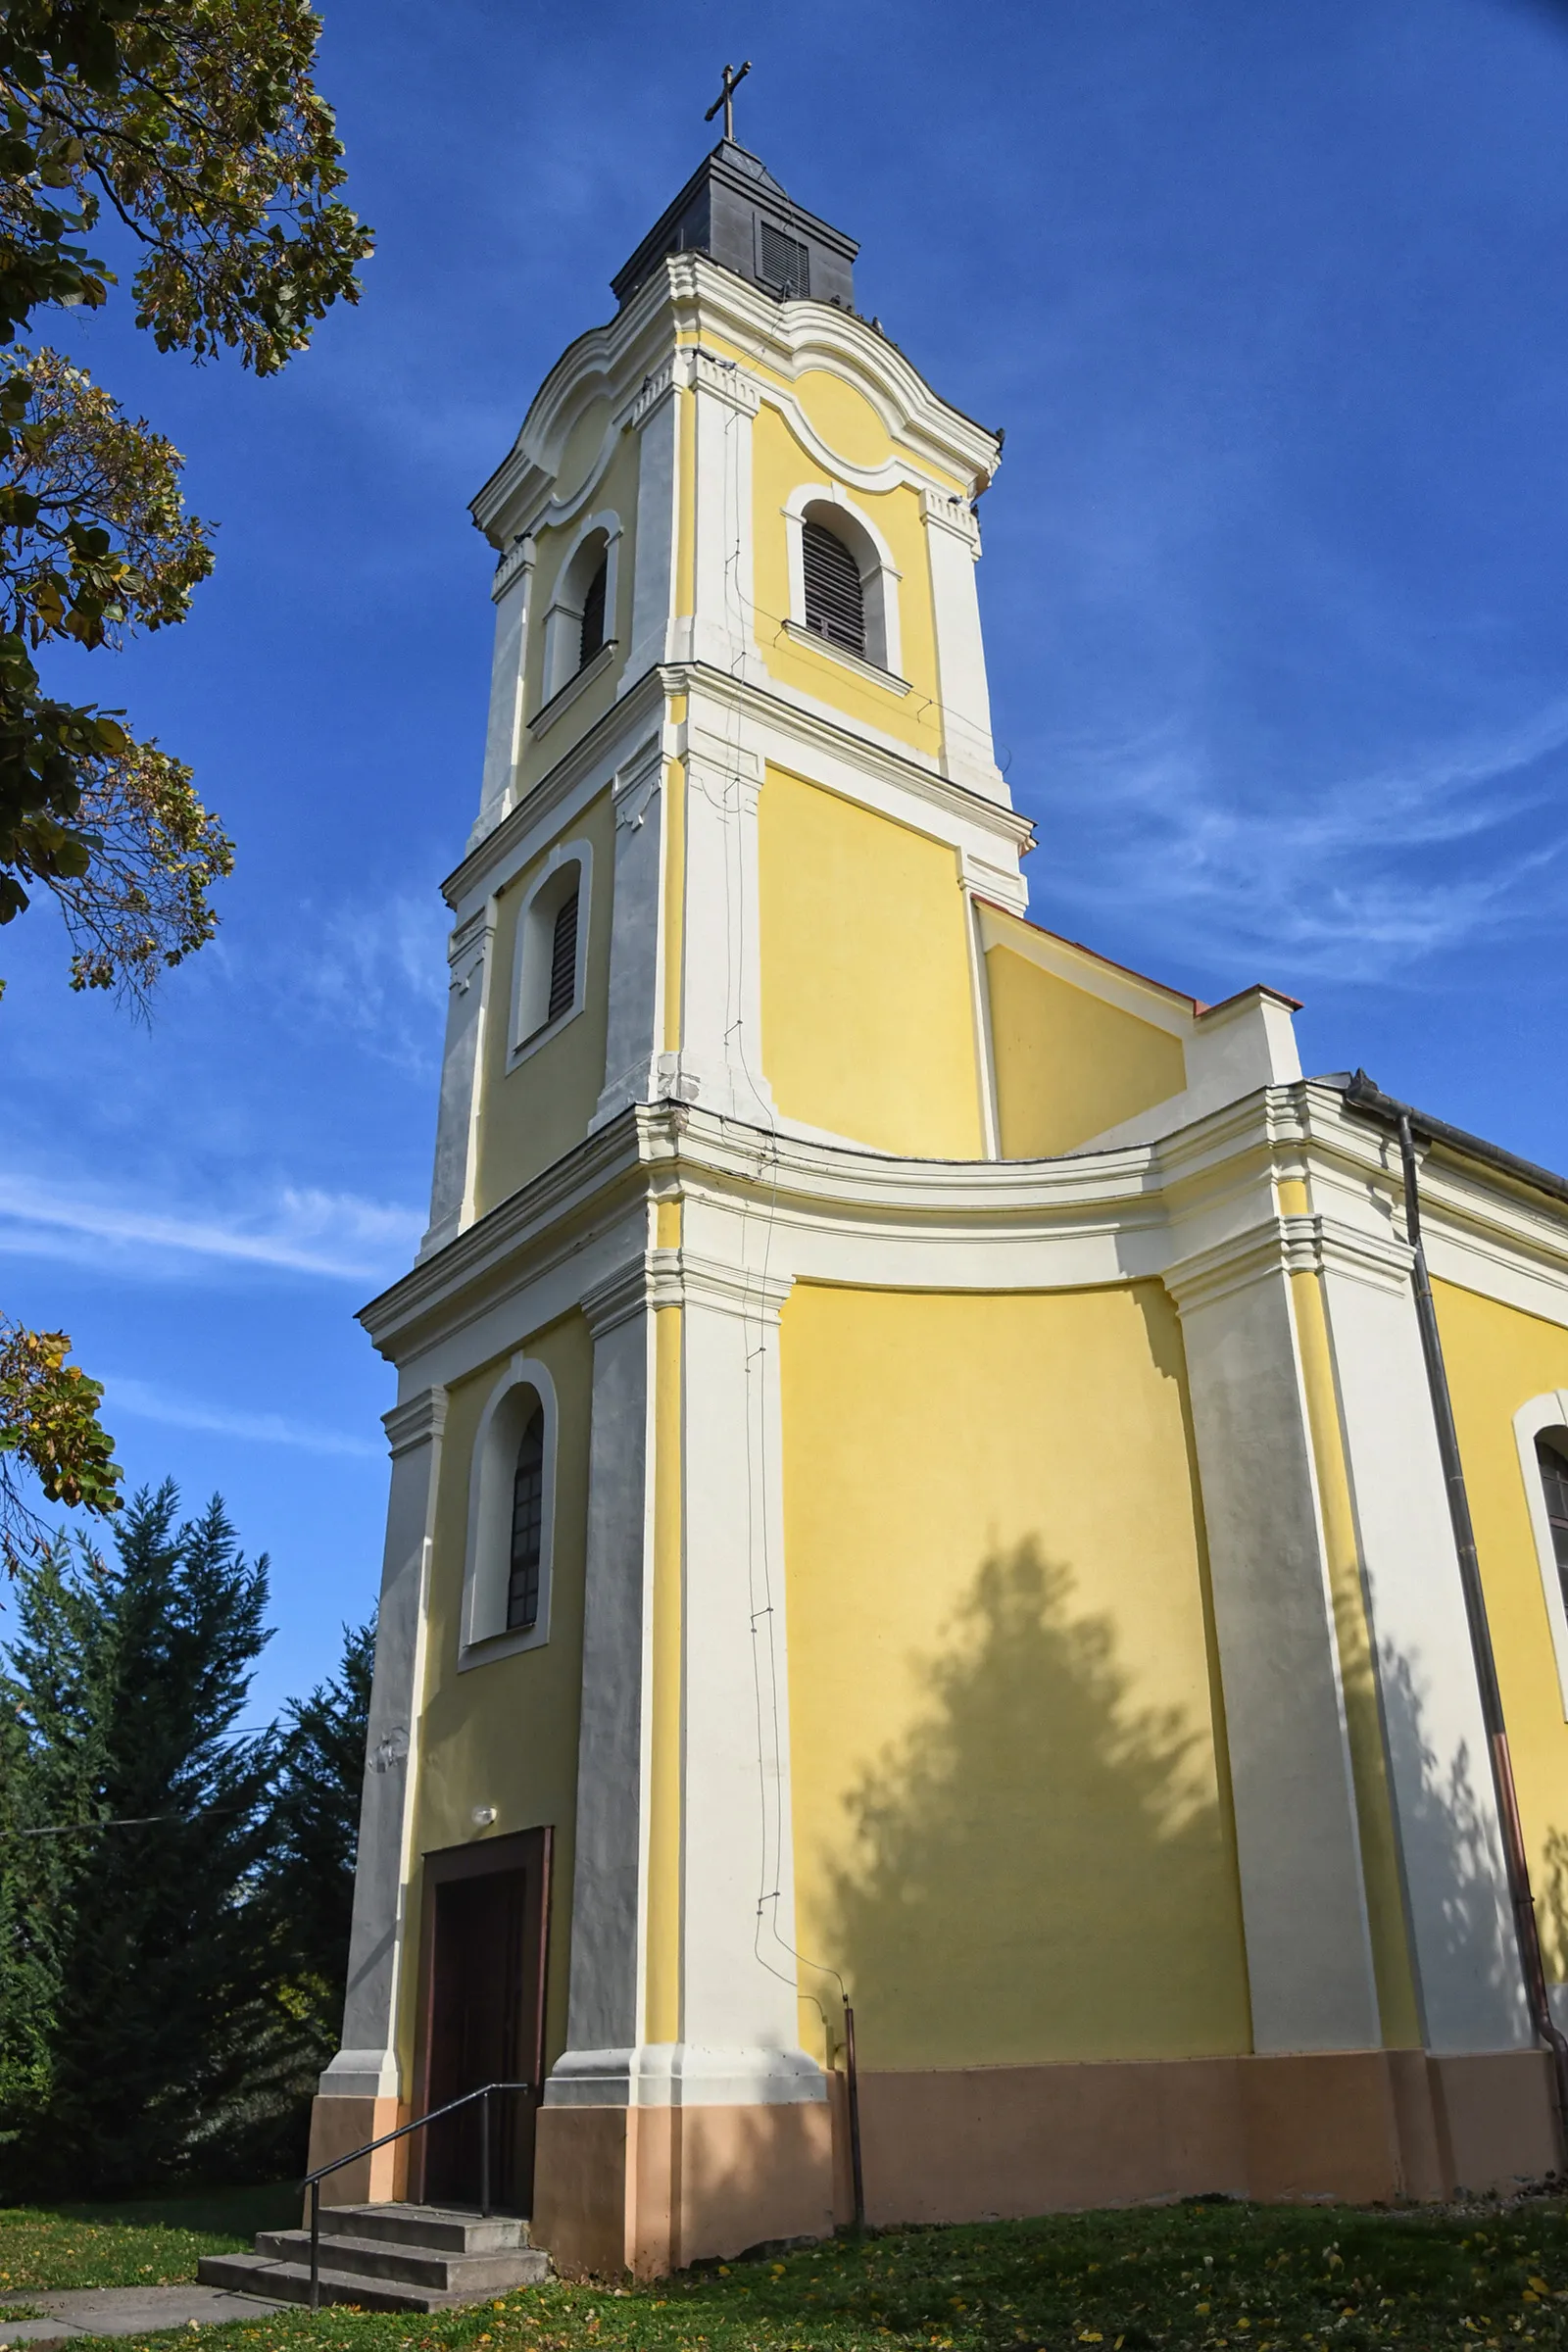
[[409, 2266], [288, 2280], [442, 2229]]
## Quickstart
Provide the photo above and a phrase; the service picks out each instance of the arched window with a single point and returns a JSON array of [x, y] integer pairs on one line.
[[593, 614], [551, 968], [835, 601], [1551, 1459], [511, 1506], [528, 1527], [579, 620]]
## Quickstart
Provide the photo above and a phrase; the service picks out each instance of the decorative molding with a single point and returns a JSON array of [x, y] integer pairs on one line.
[[637, 785], [871, 671], [725, 377], [625, 1293], [654, 389], [1234, 1265], [682, 1278], [418, 1421], [1326, 1245], [942, 510], [517, 559]]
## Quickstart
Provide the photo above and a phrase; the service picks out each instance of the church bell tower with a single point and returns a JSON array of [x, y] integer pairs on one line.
[[739, 739]]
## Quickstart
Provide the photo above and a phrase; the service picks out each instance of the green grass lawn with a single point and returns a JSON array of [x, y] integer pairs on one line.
[[152, 2243], [1202, 2278]]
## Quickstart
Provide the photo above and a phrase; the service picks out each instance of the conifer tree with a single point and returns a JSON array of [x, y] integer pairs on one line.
[[126, 1683]]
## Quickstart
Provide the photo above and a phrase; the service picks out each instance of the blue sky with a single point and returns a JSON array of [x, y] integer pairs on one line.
[[1273, 304]]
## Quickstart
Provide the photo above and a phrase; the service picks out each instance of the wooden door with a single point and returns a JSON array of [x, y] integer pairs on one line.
[[483, 2017]]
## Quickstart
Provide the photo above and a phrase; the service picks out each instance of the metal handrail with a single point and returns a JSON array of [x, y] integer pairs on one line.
[[312, 2180]]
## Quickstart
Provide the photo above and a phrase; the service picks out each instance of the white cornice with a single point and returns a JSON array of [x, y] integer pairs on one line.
[[601, 749]]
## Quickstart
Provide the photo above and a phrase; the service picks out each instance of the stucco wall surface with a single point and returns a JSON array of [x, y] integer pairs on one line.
[[867, 1026], [1011, 1830], [1067, 1064]]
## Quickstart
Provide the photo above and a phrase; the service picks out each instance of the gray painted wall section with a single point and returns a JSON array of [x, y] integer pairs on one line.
[[366, 2066]]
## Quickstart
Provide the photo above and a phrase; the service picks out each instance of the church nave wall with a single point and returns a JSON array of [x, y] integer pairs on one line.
[[1011, 1825]]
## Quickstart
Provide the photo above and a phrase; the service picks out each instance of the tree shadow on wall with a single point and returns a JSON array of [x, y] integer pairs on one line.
[[1470, 1964], [1036, 1864]]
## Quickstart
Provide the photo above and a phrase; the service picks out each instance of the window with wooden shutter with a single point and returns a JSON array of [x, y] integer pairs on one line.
[[563, 958], [593, 615], [528, 1527], [835, 604]]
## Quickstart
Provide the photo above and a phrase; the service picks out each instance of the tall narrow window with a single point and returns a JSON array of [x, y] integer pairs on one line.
[[1553, 1468], [835, 606], [528, 1527], [563, 958], [593, 614]]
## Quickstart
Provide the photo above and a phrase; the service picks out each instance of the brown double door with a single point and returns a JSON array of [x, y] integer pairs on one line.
[[486, 1914]]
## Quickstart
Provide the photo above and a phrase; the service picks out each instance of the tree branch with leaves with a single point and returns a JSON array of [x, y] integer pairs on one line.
[[195, 126]]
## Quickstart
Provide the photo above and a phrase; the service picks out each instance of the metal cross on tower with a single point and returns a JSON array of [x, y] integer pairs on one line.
[[726, 97]]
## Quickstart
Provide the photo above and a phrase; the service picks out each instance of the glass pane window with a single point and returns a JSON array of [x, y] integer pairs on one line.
[[1554, 1467]]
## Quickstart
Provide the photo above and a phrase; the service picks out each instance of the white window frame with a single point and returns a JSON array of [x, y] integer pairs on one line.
[[487, 1564], [562, 622], [879, 574], [531, 950], [1529, 1422]]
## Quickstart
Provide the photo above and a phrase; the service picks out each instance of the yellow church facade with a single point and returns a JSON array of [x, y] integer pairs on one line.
[[914, 1475]]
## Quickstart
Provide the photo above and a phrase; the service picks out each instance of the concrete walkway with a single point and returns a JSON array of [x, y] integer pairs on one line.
[[123, 2311]]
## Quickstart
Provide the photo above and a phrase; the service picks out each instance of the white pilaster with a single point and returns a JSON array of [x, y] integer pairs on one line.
[[720, 1062], [607, 1921], [471, 954], [366, 2066], [1469, 1980], [952, 545], [1303, 1900], [737, 1996], [511, 590], [655, 419], [636, 940], [721, 627]]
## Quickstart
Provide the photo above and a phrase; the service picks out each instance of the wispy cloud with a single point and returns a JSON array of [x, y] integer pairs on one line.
[[1334, 880], [144, 1402], [378, 973], [337, 1234]]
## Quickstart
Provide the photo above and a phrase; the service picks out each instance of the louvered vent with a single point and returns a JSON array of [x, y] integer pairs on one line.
[[834, 605], [786, 262], [527, 1525], [563, 958], [593, 615]]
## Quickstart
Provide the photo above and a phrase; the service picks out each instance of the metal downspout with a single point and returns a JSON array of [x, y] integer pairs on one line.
[[1526, 1924]]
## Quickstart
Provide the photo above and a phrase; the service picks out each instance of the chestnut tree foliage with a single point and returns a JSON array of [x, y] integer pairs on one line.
[[193, 131]]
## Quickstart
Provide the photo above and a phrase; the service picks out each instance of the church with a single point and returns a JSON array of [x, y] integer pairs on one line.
[[973, 1607]]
